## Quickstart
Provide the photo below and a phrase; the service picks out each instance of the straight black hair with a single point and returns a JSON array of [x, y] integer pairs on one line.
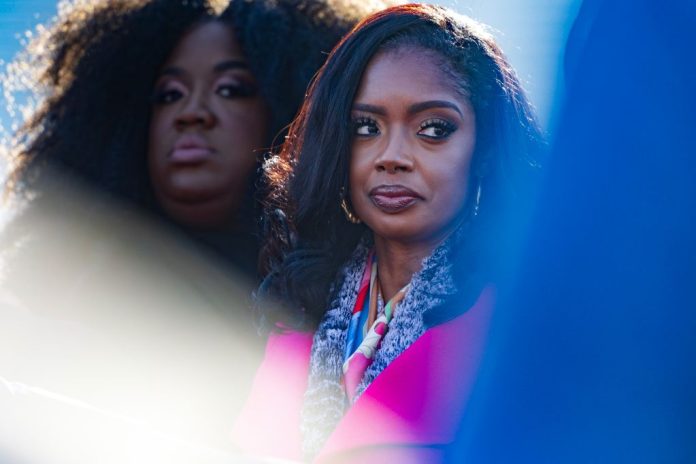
[[308, 237]]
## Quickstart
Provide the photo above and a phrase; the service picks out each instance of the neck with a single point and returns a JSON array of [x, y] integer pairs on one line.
[[397, 262]]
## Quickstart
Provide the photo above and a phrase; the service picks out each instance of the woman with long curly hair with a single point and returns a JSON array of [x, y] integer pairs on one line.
[[393, 198], [159, 104], [169, 104]]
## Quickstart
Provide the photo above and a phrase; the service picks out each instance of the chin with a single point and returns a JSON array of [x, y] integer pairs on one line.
[[396, 233], [413, 231], [196, 219], [205, 215]]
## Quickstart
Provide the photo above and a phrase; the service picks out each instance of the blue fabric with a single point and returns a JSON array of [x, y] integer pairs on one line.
[[356, 332], [593, 350]]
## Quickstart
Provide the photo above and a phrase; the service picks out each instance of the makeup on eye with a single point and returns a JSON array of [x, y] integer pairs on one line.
[[172, 91], [168, 92], [365, 126], [236, 89], [436, 129]]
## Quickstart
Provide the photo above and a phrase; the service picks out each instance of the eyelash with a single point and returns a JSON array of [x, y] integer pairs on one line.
[[362, 122], [241, 90], [167, 95], [445, 128]]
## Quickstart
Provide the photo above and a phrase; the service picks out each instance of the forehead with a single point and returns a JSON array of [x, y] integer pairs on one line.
[[411, 71], [206, 42]]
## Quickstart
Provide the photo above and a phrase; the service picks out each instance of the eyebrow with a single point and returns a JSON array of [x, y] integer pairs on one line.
[[426, 105], [230, 64], [218, 68], [413, 109], [369, 108]]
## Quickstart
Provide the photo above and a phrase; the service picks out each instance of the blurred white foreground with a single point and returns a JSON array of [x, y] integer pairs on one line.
[[118, 341]]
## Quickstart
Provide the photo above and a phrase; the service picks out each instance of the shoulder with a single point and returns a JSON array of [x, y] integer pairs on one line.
[[274, 406]]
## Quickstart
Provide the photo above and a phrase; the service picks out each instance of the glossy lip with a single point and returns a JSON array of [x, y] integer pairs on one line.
[[190, 149], [393, 198]]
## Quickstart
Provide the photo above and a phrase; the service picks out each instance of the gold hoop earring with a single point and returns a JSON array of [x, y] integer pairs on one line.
[[350, 216]]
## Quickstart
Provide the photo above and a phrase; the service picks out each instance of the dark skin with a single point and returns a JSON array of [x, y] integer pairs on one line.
[[208, 119], [414, 140]]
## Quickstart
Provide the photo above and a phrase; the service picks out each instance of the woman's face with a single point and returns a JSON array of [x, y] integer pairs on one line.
[[414, 137], [207, 121]]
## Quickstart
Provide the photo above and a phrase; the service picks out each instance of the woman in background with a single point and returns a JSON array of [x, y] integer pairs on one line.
[[145, 102], [394, 200], [169, 104]]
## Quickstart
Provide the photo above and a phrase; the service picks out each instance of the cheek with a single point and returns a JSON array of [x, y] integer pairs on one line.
[[452, 174], [245, 129], [360, 167], [243, 137], [451, 185], [357, 178], [454, 194]]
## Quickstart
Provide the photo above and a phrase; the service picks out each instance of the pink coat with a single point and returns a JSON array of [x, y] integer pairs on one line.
[[409, 413]]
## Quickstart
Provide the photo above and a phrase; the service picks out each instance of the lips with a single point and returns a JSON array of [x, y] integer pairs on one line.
[[393, 198], [190, 149]]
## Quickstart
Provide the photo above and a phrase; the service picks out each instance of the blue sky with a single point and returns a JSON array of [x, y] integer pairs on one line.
[[16, 16], [531, 32]]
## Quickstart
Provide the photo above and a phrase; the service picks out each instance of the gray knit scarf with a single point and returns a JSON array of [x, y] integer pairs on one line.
[[325, 401]]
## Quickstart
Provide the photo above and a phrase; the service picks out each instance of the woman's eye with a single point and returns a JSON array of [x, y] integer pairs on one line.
[[436, 129], [236, 90], [365, 127], [167, 96]]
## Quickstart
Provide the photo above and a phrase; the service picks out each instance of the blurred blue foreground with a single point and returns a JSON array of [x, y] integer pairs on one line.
[[594, 356]]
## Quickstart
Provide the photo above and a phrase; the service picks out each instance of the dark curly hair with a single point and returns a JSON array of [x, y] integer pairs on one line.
[[309, 237], [92, 71]]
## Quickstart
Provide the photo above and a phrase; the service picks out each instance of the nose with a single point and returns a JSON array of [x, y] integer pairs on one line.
[[195, 113], [396, 156]]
